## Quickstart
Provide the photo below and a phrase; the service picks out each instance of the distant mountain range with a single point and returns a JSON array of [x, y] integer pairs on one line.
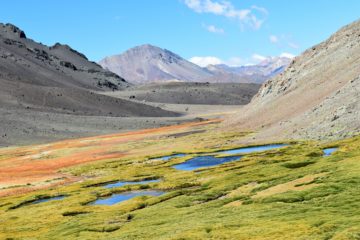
[[257, 73], [146, 64]]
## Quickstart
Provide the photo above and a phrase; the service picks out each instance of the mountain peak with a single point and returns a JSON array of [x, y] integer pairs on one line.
[[151, 51], [147, 46], [148, 63], [9, 28]]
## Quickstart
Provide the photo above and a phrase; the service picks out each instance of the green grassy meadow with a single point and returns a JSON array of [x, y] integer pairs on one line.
[[288, 193]]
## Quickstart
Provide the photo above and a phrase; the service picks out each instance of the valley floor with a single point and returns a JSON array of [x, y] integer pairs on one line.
[[292, 192], [41, 127]]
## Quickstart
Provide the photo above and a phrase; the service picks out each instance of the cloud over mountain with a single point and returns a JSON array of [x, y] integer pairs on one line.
[[253, 16]]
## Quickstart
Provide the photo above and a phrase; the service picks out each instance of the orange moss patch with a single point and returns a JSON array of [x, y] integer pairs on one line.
[[26, 165], [38, 184]]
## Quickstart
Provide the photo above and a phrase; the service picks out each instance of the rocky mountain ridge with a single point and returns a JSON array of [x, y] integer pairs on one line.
[[256, 73]]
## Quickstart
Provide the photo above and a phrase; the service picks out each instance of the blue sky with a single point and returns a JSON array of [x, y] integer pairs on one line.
[[234, 31]]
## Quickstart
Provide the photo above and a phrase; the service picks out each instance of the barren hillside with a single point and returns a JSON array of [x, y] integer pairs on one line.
[[317, 97]]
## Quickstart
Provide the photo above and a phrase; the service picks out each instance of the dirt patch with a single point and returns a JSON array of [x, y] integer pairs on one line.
[[246, 189], [234, 204]]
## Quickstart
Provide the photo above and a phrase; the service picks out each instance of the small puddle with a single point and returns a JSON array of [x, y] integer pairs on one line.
[[169, 157], [121, 197], [204, 161], [120, 184], [245, 150], [47, 199], [328, 151]]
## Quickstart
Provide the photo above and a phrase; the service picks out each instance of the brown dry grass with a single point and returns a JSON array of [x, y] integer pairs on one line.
[[295, 185]]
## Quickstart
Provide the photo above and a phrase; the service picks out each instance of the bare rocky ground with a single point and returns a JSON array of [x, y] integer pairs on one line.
[[191, 93], [23, 123], [49, 93], [24, 127]]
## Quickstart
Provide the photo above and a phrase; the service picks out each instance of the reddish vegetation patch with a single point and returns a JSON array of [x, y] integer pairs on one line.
[[63, 179], [40, 165]]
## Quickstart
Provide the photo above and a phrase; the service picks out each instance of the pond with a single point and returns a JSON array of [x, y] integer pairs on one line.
[[120, 184], [169, 157], [47, 199], [245, 150], [121, 197], [328, 151], [211, 160], [204, 161]]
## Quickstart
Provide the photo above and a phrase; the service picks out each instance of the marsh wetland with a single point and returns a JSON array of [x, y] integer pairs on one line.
[[290, 185]]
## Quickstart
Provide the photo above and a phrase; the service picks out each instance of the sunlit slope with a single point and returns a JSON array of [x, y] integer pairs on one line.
[[317, 97]]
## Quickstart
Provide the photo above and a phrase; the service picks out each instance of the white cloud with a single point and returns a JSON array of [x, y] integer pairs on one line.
[[273, 39], [258, 58], [205, 61], [260, 9], [287, 55], [213, 29], [206, 6], [194, 5], [253, 17]]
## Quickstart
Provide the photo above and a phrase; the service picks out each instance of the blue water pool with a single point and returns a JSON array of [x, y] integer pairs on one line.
[[121, 197], [329, 151], [204, 161], [245, 150], [169, 157], [120, 184], [47, 199]]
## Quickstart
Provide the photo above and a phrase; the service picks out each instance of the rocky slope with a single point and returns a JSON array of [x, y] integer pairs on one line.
[[147, 63], [58, 79], [43, 87], [55, 66], [317, 97]]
